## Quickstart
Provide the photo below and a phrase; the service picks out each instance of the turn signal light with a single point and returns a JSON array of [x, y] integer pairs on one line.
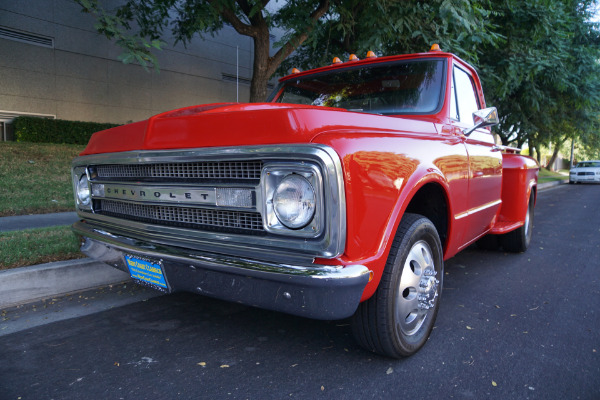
[[336, 60], [295, 71], [371, 54], [435, 47], [353, 57]]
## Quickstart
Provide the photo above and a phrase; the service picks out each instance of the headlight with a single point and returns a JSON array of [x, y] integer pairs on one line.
[[294, 201], [83, 191]]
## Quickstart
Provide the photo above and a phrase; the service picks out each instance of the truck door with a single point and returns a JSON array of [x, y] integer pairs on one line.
[[485, 161]]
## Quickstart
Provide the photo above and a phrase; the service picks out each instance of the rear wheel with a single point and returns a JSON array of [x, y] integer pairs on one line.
[[397, 320], [518, 240]]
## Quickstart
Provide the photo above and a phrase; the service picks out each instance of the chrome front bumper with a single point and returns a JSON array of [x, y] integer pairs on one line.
[[315, 291]]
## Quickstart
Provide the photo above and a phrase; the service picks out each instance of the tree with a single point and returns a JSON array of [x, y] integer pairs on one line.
[[543, 76], [395, 27], [338, 26], [187, 18]]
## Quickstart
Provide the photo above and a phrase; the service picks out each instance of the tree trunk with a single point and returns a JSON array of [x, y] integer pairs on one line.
[[572, 153], [553, 158], [260, 74], [264, 65]]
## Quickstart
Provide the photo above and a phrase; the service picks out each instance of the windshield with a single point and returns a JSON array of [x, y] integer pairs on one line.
[[584, 164], [405, 87]]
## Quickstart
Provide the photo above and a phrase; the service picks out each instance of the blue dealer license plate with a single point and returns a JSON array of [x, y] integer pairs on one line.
[[146, 271]]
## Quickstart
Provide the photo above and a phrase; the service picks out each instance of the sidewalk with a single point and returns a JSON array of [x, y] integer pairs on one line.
[[36, 282], [27, 284]]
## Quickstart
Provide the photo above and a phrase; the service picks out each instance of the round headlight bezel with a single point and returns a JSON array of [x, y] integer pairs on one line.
[[272, 175], [294, 201], [84, 196]]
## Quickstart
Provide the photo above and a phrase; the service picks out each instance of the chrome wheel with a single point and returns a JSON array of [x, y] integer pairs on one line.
[[418, 290], [397, 320]]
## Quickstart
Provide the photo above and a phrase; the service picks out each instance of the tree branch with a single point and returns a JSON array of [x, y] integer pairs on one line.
[[238, 25], [298, 39]]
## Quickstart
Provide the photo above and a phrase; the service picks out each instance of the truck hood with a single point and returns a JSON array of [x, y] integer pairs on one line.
[[234, 124]]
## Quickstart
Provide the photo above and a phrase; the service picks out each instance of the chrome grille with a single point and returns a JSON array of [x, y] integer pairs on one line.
[[183, 216], [226, 170]]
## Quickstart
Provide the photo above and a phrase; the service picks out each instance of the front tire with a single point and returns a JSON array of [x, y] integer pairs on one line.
[[518, 240], [397, 320]]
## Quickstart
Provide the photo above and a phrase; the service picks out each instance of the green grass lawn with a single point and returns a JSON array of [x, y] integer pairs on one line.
[[36, 246], [35, 178], [549, 176]]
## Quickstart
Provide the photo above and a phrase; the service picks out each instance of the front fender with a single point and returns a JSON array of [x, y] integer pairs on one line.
[[382, 174]]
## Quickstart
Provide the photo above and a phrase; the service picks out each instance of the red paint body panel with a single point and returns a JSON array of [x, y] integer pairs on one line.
[[518, 183], [386, 161]]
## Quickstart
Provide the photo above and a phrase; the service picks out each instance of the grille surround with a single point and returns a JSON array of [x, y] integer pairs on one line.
[[329, 244]]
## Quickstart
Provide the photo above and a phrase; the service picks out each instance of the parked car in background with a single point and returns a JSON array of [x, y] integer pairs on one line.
[[585, 171]]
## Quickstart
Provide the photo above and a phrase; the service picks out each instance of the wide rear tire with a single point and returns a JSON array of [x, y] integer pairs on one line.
[[397, 320]]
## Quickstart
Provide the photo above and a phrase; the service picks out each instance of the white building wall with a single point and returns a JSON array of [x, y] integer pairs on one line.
[[80, 77]]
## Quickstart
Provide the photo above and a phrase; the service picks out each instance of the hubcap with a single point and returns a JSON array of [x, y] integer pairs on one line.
[[419, 289]]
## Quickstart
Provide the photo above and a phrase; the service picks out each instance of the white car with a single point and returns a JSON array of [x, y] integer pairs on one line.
[[585, 171]]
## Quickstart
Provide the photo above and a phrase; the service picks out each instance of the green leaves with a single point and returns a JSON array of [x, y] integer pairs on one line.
[[542, 76]]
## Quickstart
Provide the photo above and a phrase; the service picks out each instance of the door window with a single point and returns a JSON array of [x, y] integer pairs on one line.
[[466, 102]]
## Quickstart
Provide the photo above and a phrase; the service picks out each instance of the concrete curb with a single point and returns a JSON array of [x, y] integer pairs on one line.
[[28, 284], [20, 222], [548, 185]]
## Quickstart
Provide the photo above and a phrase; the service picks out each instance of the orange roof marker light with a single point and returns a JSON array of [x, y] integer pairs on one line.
[[295, 71], [336, 60], [435, 47], [353, 57], [371, 54]]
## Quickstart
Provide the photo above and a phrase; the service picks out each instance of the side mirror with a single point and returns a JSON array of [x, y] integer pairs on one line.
[[485, 117]]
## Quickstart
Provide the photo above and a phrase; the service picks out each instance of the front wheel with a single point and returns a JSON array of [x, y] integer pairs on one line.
[[397, 320], [518, 240]]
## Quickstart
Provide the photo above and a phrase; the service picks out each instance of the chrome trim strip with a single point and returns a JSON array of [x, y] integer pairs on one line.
[[220, 262], [155, 193], [477, 209]]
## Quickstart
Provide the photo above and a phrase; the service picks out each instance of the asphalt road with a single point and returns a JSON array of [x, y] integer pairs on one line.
[[511, 326]]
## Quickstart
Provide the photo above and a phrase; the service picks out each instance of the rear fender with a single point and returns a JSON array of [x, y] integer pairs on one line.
[[519, 182]]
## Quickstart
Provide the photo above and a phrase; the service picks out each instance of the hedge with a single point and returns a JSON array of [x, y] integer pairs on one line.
[[59, 131]]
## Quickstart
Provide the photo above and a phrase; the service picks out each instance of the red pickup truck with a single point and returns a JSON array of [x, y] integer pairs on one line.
[[339, 197]]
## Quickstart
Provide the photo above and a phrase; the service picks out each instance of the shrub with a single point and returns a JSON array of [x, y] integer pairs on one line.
[[59, 131]]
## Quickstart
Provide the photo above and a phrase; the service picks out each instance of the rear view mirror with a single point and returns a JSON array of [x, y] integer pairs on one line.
[[485, 117]]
